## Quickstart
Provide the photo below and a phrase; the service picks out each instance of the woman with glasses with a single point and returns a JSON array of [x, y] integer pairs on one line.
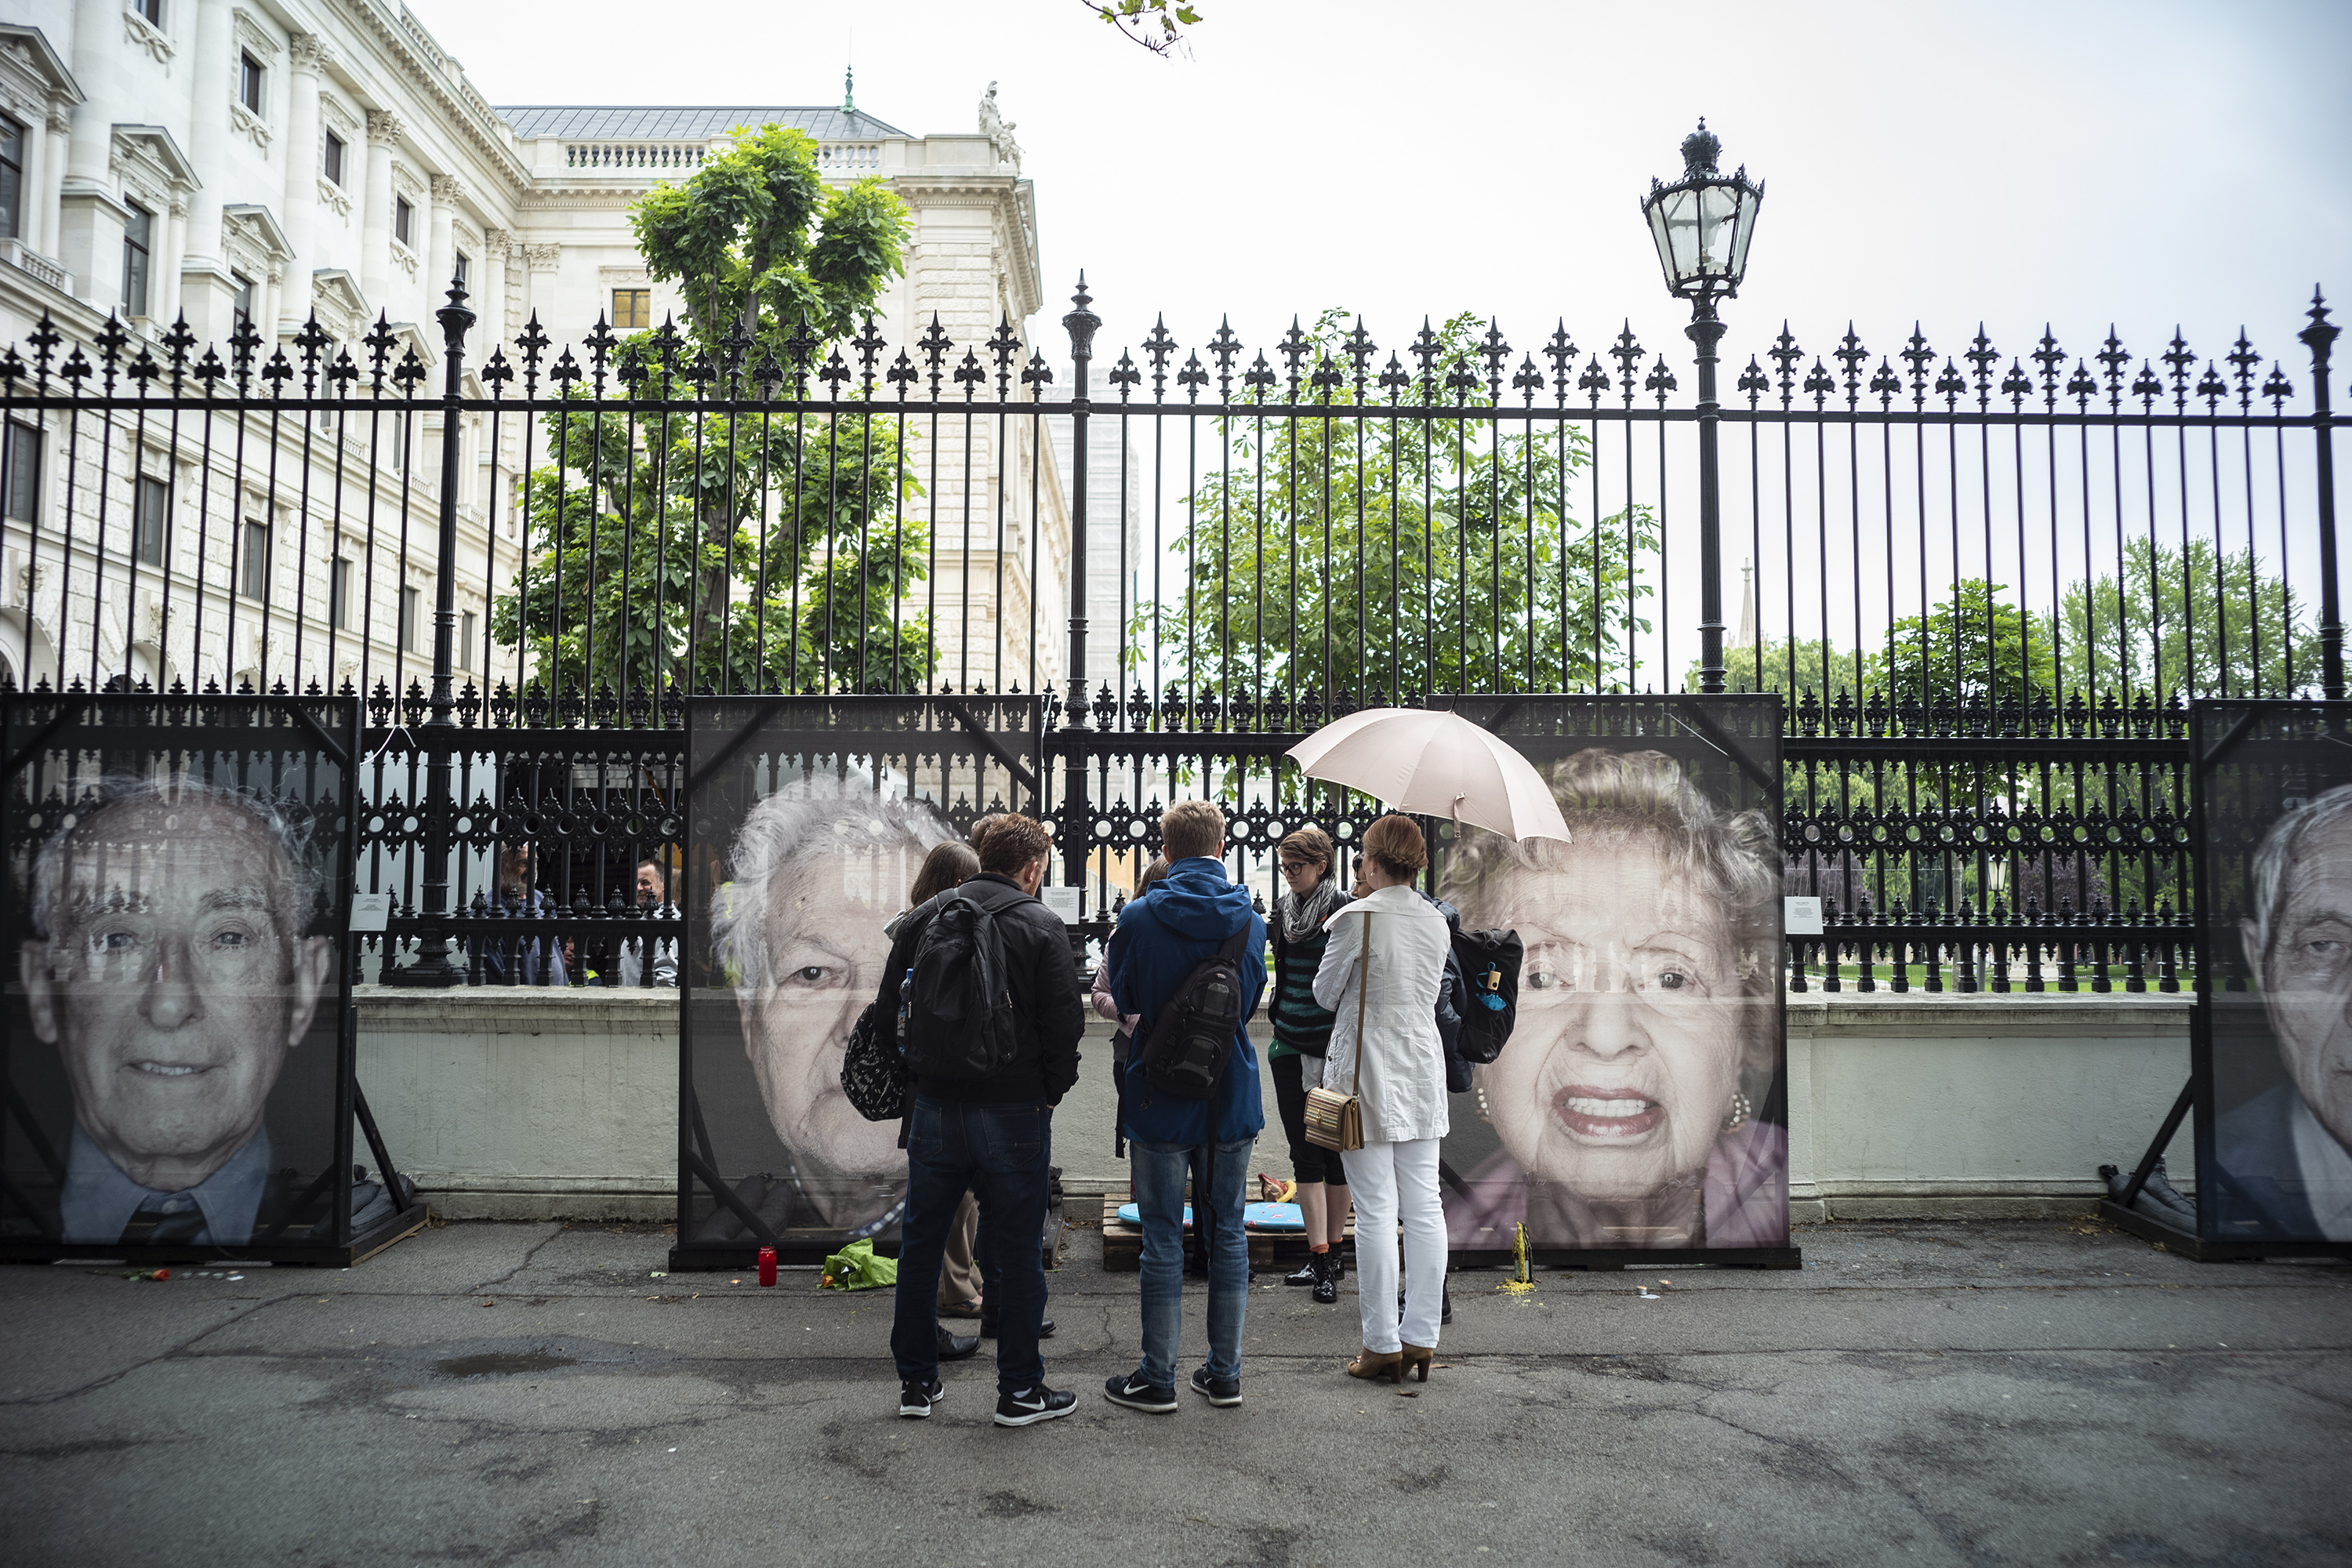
[[1302, 1032], [1628, 1100]]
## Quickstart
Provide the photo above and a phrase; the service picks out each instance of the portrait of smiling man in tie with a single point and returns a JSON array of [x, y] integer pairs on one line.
[[173, 965]]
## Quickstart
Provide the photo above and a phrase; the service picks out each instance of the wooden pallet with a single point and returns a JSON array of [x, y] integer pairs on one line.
[[1270, 1251]]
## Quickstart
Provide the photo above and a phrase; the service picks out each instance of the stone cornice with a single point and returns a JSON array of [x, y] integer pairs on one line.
[[500, 154]]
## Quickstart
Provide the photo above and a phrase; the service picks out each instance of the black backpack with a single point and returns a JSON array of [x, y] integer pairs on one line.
[[1490, 965], [1191, 1041], [960, 1021]]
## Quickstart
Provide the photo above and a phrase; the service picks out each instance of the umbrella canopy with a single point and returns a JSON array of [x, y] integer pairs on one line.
[[1435, 764]]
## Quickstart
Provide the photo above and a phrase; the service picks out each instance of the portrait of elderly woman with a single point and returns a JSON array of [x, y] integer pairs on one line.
[[818, 870], [1648, 1026], [173, 964]]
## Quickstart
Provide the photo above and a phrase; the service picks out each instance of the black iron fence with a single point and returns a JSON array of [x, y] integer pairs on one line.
[[1987, 585]]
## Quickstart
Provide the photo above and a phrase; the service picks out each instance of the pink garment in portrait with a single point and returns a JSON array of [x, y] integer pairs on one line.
[[1747, 1195]]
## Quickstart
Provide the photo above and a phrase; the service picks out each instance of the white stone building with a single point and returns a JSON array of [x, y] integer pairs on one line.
[[271, 161]]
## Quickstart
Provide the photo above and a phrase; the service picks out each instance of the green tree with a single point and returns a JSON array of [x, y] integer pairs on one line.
[[728, 548], [1793, 666], [1971, 648], [1158, 25], [2164, 630], [1352, 551]]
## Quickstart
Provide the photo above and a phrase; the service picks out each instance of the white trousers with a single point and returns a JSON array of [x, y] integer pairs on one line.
[[1391, 1181]]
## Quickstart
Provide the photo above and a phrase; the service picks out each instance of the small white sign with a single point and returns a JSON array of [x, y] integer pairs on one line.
[[1064, 902], [1800, 916], [370, 911]]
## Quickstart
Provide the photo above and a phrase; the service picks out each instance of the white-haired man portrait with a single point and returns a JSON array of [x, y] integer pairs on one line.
[[818, 868], [2288, 1151], [173, 965]]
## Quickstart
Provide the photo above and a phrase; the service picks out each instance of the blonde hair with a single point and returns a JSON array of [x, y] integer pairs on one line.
[[1192, 827]]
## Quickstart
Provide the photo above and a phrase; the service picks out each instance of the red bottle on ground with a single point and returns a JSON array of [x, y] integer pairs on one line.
[[767, 1266]]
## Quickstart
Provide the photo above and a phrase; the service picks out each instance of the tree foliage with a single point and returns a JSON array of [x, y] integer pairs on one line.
[[710, 545], [1357, 553], [2163, 630], [1158, 25]]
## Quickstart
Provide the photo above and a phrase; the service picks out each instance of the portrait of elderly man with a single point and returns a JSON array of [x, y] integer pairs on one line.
[[173, 965], [818, 870], [2285, 1156], [1648, 1027]]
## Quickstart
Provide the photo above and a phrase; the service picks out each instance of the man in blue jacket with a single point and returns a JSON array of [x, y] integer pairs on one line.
[[1161, 938]]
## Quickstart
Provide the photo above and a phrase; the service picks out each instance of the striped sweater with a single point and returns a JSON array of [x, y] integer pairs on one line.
[[1300, 1028]]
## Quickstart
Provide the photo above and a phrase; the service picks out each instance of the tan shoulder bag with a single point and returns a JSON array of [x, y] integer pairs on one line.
[[1335, 1120]]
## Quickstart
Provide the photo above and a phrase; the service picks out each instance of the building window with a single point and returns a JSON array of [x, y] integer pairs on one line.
[[403, 218], [464, 271], [12, 177], [397, 456], [254, 580], [633, 309], [150, 514], [23, 459], [138, 236], [248, 82], [409, 601], [338, 594], [241, 302], [465, 641], [150, 11], [333, 166]]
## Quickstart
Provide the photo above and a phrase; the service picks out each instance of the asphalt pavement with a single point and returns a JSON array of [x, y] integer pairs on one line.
[[1983, 1392]]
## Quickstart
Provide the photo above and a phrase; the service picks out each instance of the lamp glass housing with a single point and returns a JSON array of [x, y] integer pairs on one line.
[[1702, 225]]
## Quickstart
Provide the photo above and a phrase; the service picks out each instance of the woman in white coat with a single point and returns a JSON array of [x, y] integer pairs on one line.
[[1379, 977]]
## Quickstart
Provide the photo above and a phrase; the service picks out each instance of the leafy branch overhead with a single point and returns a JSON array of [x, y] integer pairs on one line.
[[1157, 24]]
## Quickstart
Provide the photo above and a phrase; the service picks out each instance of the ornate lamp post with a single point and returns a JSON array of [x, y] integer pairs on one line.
[[1701, 225]]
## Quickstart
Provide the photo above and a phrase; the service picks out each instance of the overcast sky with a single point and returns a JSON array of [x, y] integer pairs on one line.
[[2146, 163], [2080, 164]]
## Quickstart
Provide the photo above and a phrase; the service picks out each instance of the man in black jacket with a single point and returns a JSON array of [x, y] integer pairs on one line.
[[992, 1134]]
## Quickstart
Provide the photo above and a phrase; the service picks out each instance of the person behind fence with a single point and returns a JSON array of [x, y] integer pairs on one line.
[[535, 960], [961, 1284], [981, 993], [1188, 960], [2288, 1153], [1379, 976], [174, 962], [1302, 1033], [1628, 1100], [653, 904]]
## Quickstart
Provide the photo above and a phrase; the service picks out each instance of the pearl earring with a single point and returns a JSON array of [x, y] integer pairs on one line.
[[1740, 1109]]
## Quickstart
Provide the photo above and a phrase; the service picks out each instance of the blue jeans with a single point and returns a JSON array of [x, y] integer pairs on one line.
[[1159, 1171], [999, 1153]]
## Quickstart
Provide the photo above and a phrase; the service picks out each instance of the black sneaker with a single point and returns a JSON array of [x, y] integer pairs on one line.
[[1217, 1390], [988, 1327], [1039, 1404], [916, 1402], [1308, 1273], [1137, 1395]]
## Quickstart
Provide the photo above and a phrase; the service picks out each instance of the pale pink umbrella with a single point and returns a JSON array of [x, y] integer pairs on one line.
[[1433, 763]]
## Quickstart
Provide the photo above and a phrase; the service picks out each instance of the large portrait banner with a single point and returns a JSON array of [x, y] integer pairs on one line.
[[2272, 1044], [1640, 1109], [179, 1052], [807, 821]]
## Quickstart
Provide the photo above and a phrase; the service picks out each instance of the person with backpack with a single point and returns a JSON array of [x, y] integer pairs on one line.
[[1381, 975], [962, 1291], [1302, 1032], [1188, 959], [981, 994]]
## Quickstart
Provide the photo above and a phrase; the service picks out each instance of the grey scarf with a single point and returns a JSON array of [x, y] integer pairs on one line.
[[1300, 918]]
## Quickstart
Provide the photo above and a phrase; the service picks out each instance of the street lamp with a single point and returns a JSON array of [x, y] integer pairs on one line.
[[1701, 225]]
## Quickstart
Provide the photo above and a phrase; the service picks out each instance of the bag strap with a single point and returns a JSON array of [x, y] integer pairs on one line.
[[1363, 985]]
